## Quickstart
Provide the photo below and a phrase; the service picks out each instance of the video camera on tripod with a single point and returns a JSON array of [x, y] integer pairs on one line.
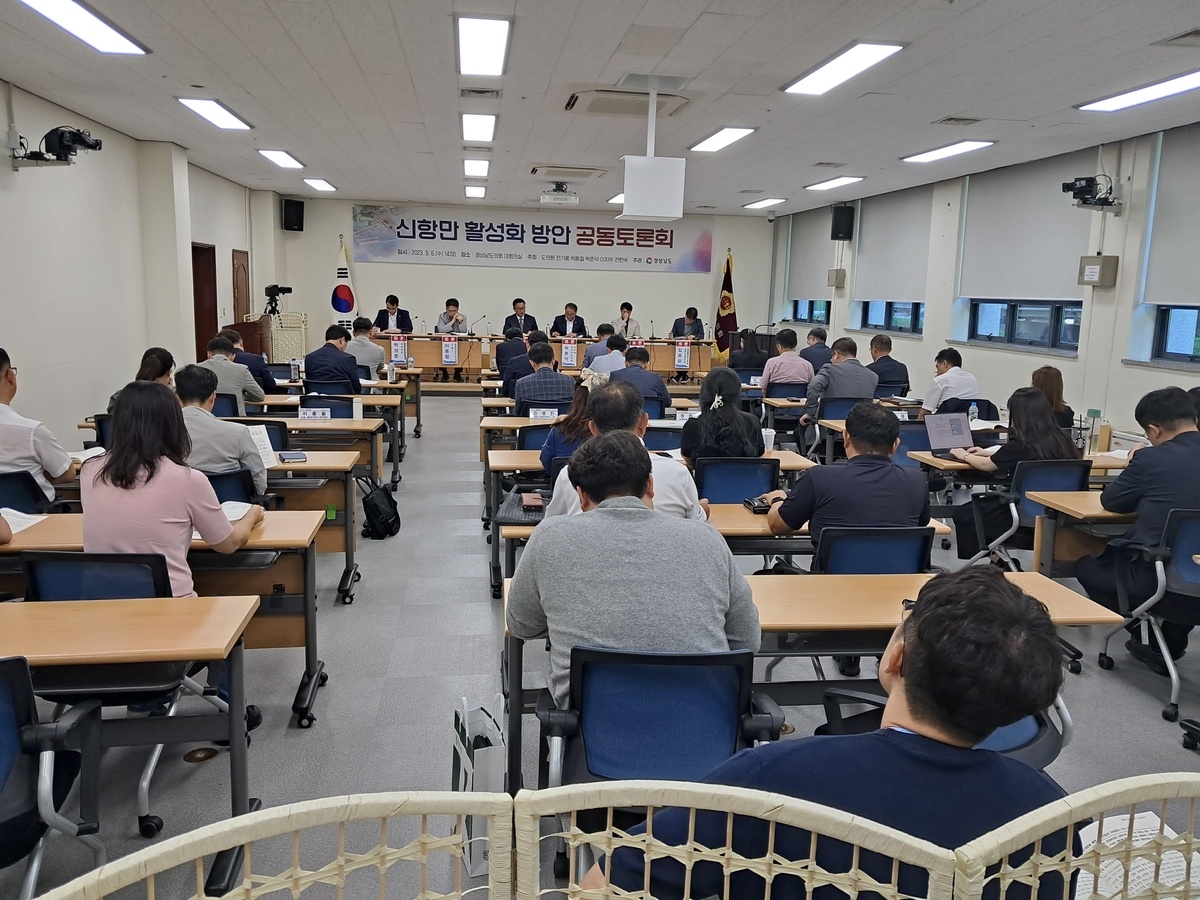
[[273, 291]]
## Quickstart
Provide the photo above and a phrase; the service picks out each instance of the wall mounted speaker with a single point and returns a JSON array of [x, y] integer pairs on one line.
[[843, 223], [293, 215]]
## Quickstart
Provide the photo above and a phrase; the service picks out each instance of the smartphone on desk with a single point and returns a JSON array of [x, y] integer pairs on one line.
[[290, 456], [757, 505]]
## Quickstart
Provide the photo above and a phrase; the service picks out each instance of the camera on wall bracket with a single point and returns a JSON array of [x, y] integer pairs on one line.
[[1094, 193]]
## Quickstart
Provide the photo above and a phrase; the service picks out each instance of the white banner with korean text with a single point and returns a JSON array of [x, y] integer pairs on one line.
[[529, 240]]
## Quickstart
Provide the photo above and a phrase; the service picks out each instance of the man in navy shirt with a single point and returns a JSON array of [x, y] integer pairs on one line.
[[331, 362], [890, 371], [976, 653], [817, 352]]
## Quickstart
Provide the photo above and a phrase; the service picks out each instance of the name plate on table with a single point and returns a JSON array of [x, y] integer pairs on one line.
[[687, 414], [901, 414], [399, 350], [755, 380], [544, 412], [636, 342], [450, 350], [315, 413], [683, 354], [570, 353]]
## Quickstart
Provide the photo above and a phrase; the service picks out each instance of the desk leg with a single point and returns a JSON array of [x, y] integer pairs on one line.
[[239, 771], [494, 538], [345, 590], [829, 444], [417, 430], [1049, 527], [514, 658], [770, 417], [376, 464], [397, 425], [510, 557], [314, 670], [487, 479]]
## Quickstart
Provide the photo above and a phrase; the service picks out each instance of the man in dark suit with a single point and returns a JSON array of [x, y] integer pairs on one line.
[[689, 326], [890, 371], [519, 320], [393, 319], [1158, 479], [512, 346], [519, 366], [252, 361], [651, 384], [569, 324], [817, 352], [331, 362]]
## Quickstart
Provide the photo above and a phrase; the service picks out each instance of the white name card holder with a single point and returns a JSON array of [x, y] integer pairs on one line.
[[400, 351], [315, 413], [755, 381], [450, 350], [540, 412], [636, 342], [570, 353], [683, 355]]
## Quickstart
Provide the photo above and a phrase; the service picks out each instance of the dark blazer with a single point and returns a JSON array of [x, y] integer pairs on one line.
[[258, 370], [529, 325], [891, 371], [817, 355], [518, 367], [649, 383], [506, 351], [560, 326], [328, 363], [402, 320], [747, 359], [1156, 481], [682, 329]]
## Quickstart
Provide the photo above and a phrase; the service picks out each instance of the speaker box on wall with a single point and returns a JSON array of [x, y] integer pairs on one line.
[[843, 223], [293, 215]]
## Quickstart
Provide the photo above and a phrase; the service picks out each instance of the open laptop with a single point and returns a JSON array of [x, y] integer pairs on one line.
[[947, 432]]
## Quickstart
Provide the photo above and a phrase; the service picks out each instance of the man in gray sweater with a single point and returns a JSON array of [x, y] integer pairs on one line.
[[623, 576]]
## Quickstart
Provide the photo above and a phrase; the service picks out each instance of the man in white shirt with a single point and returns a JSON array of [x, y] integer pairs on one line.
[[614, 359], [951, 382], [618, 406], [26, 444]]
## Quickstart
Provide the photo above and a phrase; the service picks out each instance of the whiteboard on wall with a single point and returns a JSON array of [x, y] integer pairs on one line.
[[1170, 273], [893, 246], [812, 255], [1023, 235]]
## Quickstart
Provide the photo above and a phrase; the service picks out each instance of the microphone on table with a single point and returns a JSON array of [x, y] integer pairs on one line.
[[651, 329], [471, 327]]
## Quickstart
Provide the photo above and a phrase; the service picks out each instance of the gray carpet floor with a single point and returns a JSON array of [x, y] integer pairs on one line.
[[424, 634]]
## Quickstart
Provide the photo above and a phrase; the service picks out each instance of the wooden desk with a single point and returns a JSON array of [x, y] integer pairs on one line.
[[1059, 535], [926, 458], [163, 629], [491, 387], [773, 404], [363, 435], [406, 378]]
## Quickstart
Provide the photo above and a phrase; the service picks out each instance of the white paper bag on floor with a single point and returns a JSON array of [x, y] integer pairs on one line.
[[478, 763]]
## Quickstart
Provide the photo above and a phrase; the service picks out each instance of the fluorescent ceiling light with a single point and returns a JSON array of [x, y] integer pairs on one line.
[[721, 139], [282, 158], [834, 183], [952, 150], [475, 191], [620, 198], [763, 204], [1178, 85], [85, 25], [843, 67], [478, 127], [475, 168], [215, 113], [319, 184], [482, 46]]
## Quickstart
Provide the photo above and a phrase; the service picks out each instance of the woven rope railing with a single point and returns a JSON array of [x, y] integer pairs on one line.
[[1146, 848], [823, 825], [346, 842]]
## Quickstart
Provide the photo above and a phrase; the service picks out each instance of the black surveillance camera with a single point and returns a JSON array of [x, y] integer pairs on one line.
[[771, 218], [63, 142], [1081, 188], [274, 290]]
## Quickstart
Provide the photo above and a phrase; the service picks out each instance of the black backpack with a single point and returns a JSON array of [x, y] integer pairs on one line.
[[381, 517]]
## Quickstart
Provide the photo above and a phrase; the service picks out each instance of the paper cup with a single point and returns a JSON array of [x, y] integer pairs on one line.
[[769, 439]]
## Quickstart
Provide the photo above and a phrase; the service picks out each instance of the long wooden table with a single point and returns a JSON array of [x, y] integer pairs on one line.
[[1060, 535], [363, 435], [165, 629], [836, 614]]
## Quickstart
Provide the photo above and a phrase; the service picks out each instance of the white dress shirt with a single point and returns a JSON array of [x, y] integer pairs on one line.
[[955, 383], [674, 491], [28, 445], [393, 321]]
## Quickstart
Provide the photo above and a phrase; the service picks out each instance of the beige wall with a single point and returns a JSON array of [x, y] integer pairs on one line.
[[220, 216]]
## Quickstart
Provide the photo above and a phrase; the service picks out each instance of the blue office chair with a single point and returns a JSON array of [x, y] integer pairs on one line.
[[365, 373], [103, 429], [237, 485], [654, 407], [831, 408], [914, 436], [37, 772], [339, 407], [786, 420], [787, 389], [746, 374], [276, 431], [890, 389], [733, 479], [533, 437], [328, 387], [873, 551], [20, 491], [663, 439], [225, 406]]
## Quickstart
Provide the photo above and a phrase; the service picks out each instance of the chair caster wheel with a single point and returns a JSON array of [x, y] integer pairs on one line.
[[1170, 712], [149, 826], [945, 543], [562, 866], [324, 679], [1190, 742], [489, 538], [1105, 661], [306, 720], [346, 599], [393, 487], [358, 576], [1074, 667]]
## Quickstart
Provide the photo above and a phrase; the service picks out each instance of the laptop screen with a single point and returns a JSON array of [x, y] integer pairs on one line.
[[949, 431]]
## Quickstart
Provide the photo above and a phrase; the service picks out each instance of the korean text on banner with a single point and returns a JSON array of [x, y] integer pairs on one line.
[[570, 353], [449, 350], [636, 342], [477, 764], [683, 354]]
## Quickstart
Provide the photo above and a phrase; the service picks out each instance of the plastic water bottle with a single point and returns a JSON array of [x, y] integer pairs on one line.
[[412, 363], [973, 412], [391, 372], [295, 369]]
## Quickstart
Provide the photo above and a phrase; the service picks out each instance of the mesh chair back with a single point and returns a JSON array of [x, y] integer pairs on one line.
[[663, 439], [237, 485], [276, 431], [19, 821], [339, 408], [838, 407], [654, 407], [913, 436], [890, 389], [225, 406], [20, 491], [327, 387], [1047, 475], [51, 575], [365, 373], [746, 374], [734, 479], [103, 429], [532, 437], [557, 465], [787, 389], [671, 716], [1182, 535], [874, 551], [987, 409]]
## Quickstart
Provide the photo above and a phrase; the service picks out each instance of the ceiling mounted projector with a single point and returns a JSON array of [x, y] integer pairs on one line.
[[560, 196]]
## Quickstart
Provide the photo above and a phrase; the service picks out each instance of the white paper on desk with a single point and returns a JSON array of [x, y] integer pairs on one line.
[[19, 521], [233, 509], [983, 424], [1116, 454], [82, 456], [988, 451], [1146, 827], [367, 381], [263, 442]]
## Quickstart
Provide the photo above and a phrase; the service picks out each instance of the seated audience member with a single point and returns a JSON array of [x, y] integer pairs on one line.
[[626, 326], [392, 319], [651, 384], [1158, 479], [889, 370], [976, 653], [5, 531], [1033, 434], [614, 359], [141, 497], [1049, 381], [452, 321], [688, 326], [788, 367], [252, 361], [27, 444], [569, 324], [217, 445], [844, 377], [618, 406], [600, 348], [722, 428], [568, 435], [519, 319], [817, 352], [232, 378], [1194, 393], [544, 386], [950, 382], [509, 349], [157, 365], [330, 362], [518, 366], [709, 609], [364, 350], [747, 355]]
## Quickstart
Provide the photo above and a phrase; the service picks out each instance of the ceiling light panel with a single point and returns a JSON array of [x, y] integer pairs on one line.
[[476, 127], [475, 168], [1151, 92], [482, 46], [852, 61], [475, 191], [951, 150], [282, 158], [87, 26], [319, 184], [215, 113], [721, 140], [620, 198], [834, 183], [763, 204]]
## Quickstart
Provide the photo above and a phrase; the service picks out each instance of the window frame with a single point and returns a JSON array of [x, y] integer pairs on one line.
[[1162, 317], [810, 319], [917, 320], [1056, 308]]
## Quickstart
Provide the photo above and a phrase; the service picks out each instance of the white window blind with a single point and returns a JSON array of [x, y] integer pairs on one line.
[[893, 246], [812, 255], [1171, 273]]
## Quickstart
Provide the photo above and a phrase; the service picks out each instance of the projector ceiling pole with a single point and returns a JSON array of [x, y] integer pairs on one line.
[[653, 112]]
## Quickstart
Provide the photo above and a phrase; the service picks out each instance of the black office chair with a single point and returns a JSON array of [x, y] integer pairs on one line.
[[225, 406], [280, 371], [327, 387], [890, 389], [339, 407], [733, 479], [663, 439], [237, 485], [20, 491], [654, 407], [103, 429], [556, 466], [277, 431], [987, 409], [37, 772], [365, 373]]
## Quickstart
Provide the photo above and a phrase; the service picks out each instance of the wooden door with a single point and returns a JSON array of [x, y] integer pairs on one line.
[[241, 285], [204, 296]]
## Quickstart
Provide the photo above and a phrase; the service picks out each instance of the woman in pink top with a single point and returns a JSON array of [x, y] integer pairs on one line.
[[141, 497]]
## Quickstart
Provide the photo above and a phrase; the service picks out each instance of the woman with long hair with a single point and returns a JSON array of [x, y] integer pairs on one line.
[[1032, 434], [722, 428], [157, 365], [1049, 381], [569, 434]]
